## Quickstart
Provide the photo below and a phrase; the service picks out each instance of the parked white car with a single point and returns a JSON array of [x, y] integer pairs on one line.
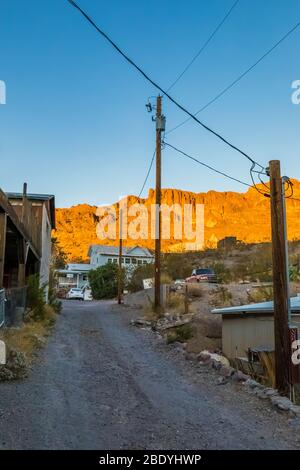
[[75, 293]]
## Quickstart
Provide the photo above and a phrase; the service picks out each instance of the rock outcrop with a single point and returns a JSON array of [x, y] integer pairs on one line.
[[243, 215]]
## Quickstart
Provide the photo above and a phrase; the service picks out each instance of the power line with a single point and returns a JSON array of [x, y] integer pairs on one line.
[[158, 87], [239, 78], [204, 45], [148, 174], [206, 165]]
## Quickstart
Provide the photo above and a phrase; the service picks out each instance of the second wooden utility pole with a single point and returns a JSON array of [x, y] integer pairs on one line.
[[280, 280], [159, 128], [120, 270]]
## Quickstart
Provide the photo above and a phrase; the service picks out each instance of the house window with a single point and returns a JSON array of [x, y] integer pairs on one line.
[[140, 261], [109, 260], [127, 260], [84, 277], [133, 260], [145, 262], [115, 260]]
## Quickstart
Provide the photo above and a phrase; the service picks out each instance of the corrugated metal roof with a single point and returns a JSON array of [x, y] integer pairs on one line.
[[263, 307]]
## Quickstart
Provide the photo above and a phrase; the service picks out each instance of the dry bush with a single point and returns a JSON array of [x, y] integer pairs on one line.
[[176, 302], [180, 334], [207, 335], [194, 290], [222, 297], [30, 334], [165, 278], [260, 294]]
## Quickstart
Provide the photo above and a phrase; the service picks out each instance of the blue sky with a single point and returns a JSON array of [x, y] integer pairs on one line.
[[75, 122]]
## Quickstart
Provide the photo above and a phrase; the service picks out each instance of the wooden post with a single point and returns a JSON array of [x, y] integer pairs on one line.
[[157, 299], [3, 223], [186, 299], [280, 280], [21, 263], [120, 280], [24, 204]]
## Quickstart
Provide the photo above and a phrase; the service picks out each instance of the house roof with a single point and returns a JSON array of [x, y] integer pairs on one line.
[[79, 267], [114, 250], [38, 197], [263, 307]]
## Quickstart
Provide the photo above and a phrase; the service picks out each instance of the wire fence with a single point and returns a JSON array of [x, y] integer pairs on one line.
[[15, 305]]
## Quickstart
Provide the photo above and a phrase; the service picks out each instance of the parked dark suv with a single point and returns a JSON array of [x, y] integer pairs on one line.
[[202, 275]]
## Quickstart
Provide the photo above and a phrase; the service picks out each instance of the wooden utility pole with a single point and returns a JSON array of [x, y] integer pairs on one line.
[[3, 223], [159, 127], [120, 274], [280, 280]]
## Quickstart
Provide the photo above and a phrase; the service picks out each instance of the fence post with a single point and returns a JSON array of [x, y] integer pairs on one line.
[[186, 300]]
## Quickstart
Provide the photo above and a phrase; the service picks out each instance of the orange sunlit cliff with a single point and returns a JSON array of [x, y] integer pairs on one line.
[[243, 215]]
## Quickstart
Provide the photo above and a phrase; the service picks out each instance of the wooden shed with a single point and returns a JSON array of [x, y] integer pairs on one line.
[[251, 326]]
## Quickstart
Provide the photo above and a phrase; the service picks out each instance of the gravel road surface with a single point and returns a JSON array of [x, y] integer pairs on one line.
[[103, 384]]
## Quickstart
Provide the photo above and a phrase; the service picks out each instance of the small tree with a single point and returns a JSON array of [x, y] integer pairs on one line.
[[135, 282], [58, 256], [35, 300], [104, 281]]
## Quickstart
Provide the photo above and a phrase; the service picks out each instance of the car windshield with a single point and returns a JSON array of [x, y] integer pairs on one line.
[[76, 290], [204, 271]]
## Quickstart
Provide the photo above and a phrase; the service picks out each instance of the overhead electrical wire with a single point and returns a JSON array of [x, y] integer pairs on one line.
[[158, 87], [239, 78], [204, 46], [147, 176], [206, 165]]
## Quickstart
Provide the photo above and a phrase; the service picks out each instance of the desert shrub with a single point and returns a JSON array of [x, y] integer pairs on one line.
[[223, 297], [176, 302], [35, 300], [53, 301], [145, 271], [177, 265], [181, 334], [104, 281], [260, 294], [165, 278], [294, 273], [224, 274], [194, 290]]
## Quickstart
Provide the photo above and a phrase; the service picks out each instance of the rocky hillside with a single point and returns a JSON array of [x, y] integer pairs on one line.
[[244, 215]]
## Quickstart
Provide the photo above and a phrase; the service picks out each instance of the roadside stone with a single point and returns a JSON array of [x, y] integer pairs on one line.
[[270, 392], [253, 384], [215, 364], [282, 403], [222, 381], [207, 356], [190, 356], [260, 393], [295, 410], [239, 376], [227, 371]]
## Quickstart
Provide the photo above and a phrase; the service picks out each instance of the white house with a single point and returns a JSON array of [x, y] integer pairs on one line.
[[132, 257], [73, 275]]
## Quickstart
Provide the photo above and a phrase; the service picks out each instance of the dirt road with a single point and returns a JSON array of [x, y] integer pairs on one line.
[[101, 383]]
